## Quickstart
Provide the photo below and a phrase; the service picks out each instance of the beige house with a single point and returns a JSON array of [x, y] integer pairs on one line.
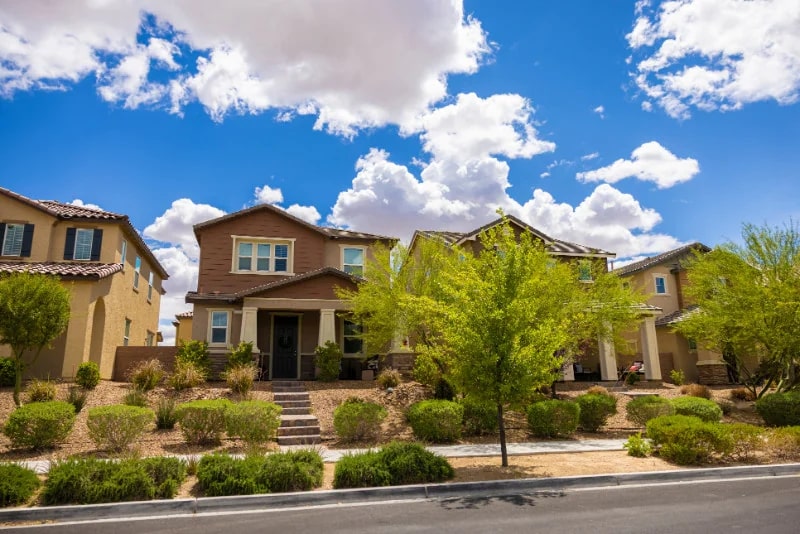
[[183, 327], [114, 279]]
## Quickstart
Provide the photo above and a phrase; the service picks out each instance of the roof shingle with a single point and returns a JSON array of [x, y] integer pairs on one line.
[[660, 258], [63, 269]]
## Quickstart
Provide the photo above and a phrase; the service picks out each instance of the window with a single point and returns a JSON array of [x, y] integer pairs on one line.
[[219, 327], [150, 287], [692, 344], [12, 241], [123, 252], [266, 257], [83, 244], [585, 271], [127, 337], [137, 268], [353, 344], [149, 340], [353, 260], [661, 285]]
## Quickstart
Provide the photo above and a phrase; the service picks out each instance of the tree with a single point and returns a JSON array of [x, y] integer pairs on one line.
[[748, 299], [34, 310]]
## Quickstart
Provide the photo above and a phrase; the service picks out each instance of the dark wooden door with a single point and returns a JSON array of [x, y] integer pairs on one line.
[[284, 347]]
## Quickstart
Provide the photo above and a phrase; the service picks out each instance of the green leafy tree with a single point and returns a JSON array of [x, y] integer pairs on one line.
[[748, 298], [34, 310]]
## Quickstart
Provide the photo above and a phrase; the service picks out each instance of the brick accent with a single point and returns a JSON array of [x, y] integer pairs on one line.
[[402, 361], [715, 374], [127, 357]]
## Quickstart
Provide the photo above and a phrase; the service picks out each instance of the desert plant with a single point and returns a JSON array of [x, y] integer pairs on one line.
[[41, 391], [358, 421], [688, 440], [632, 378], [479, 417], [165, 413], [747, 439], [394, 464], [637, 446], [77, 396], [17, 484], [742, 394], [780, 409], [135, 397], [146, 375], [389, 378], [186, 375], [704, 409], [88, 375], [595, 410], [299, 470], [328, 361], [202, 421], [8, 372], [438, 421], [40, 425], [677, 376], [254, 422], [220, 474], [241, 354], [784, 442], [553, 418], [196, 353], [696, 390], [642, 409], [241, 378], [118, 426], [599, 390], [361, 470]]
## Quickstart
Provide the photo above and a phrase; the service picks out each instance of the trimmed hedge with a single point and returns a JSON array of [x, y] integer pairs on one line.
[[222, 475], [254, 422], [361, 470], [17, 484], [479, 417], [704, 409], [780, 409], [40, 425], [641, 409], [394, 464], [596, 408], [357, 420], [88, 375], [688, 440], [438, 421], [553, 418], [202, 421], [118, 426]]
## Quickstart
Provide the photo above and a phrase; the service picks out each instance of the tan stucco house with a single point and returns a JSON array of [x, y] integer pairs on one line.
[[183, 327], [114, 279]]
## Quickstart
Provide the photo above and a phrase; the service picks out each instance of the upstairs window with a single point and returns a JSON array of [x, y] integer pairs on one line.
[[137, 268], [585, 271], [353, 344], [219, 327], [150, 287], [661, 285], [16, 239], [83, 244], [263, 257], [353, 260], [126, 339], [123, 252]]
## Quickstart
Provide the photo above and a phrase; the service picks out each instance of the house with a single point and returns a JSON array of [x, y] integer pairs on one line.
[[114, 279], [183, 327], [270, 278], [663, 277]]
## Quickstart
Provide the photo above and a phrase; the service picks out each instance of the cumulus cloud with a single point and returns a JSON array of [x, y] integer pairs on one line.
[[274, 196], [268, 195], [82, 204], [182, 278], [174, 226], [650, 162], [600, 111], [306, 213], [589, 157], [716, 54]]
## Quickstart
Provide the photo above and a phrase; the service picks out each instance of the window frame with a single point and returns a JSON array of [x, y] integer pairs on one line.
[[254, 256], [656, 277], [585, 268], [123, 253], [150, 287], [345, 337], [5, 239], [137, 269], [211, 327], [78, 233], [126, 337], [150, 338], [363, 249]]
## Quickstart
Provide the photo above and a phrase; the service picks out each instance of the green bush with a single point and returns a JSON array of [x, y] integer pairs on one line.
[[241, 354], [221, 475], [186, 375], [196, 353], [637, 446], [444, 390], [394, 464], [659, 428], [91, 480], [17, 484], [632, 379], [135, 397], [328, 361], [202, 421], [254, 422], [677, 376], [358, 421], [77, 396], [438, 421], [88, 375], [361, 470], [146, 375], [241, 378], [780, 409], [641, 409], [8, 372], [299, 470], [40, 425], [389, 378], [746, 439], [41, 391], [553, 418], [705, 409], [116, 427], [479, 417], [595, 410], [784, 442], [165, 414], [688, 440]]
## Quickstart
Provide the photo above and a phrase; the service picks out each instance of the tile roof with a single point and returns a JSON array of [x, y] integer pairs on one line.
[[63, 269], [70, 211], [676, 317], [185, 315], [661, 258]]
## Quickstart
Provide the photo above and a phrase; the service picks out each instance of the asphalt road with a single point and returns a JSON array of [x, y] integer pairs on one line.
[[769, 505]]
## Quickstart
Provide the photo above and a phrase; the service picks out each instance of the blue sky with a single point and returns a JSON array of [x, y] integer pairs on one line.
[[631, 126]]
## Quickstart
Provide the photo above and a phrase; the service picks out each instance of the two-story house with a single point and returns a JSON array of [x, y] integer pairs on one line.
[[269, 278], [114, 280]]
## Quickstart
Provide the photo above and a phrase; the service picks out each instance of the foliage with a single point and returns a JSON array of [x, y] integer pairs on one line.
[[196, 353], [358, 421], [748, 299], [640, 410], [165, 413], [631, 379], [696, 390], [599, 390], [40, 425], [394, 464], [595, 410], [701, 408], [553, 418], [784, 442], [186, 375], [438, 421], [34, 310], [780, 409], [637, 446], [443, 390], [688, 440], [91, 480], [254, 422], [241, 378], [742, 394], [88, 375], [726, 406], [77, 396], [118, 426], [241, 354], [389, 378], [479, 417], [8, 372], [746, 439], [221, 475], [146, 375], [677, 376], [17, 484], [135, 397], [328, 360], [202, 421], [41, 390], [361, 470]]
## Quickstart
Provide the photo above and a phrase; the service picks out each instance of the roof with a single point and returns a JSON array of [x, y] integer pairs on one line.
[[69, 212], [77, 270], [333, 233], [677, 316], [185, 315], [668, 256]]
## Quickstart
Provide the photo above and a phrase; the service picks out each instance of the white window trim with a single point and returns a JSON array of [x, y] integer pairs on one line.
[[75, 248], [655, 286], [5, 238], [150, 279], [227, 328], [342, 248], [263, 241], [342, 338], [137, 271], [123, 252]]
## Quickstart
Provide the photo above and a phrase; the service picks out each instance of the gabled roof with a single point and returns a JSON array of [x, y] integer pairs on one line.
[[676, 316], [669, 256], [76, 270]]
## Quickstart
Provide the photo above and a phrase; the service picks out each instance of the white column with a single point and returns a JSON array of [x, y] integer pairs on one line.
[[567, 373], [250, 327], [327, 326], [608, 359], [652, 363]]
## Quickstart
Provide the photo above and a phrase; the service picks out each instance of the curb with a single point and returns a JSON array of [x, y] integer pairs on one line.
[[413, 492]]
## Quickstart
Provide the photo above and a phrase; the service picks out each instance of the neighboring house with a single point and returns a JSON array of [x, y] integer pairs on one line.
[[183, 327], [269, 278], [114, 279], [663, 277]]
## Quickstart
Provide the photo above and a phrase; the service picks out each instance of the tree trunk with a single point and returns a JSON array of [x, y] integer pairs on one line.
[[17, 381], [502, 426]]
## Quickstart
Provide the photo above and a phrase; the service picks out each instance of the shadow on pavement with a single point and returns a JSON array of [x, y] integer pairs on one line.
[[473, 503]]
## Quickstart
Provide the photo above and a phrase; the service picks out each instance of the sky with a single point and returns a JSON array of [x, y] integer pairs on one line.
[[634, 127]]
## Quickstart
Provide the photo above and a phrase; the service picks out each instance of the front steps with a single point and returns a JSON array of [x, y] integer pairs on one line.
[[298, 425]]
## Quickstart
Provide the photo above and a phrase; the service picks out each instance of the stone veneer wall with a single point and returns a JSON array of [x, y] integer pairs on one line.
[[712, 373]]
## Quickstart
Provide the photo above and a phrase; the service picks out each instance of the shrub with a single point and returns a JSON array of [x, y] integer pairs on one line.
[[17, 484], [254, 422], [632, 378], [443, 390], [135, 397], [659, 428], [438, 421], [241, 354], [221, 475], [726, 406], [186, 375], [88, 375], [780, 409], [166, 473], [358, 421], [784, 442], [8, 372], [553, 418], [241, 378], [687, 440], [116, 427], [704, 409], [599, 390], [394, 464], [595, 410], [165, 414], [77, 396], [640, 410], [746, 440], [677, 376], [361, 470], [291, 471], [41, 391], [638, 446], [146, 375], [328, 360], [696, 390], [202, 421], [479, 417], [389, 378], [196, 353], [40, 425], [742, 394]]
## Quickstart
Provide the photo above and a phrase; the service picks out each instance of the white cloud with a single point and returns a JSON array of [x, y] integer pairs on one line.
[[274, 196], [600, 110], [182, 278], [545, 174], [174, 226], [717, 54], [589, 157], [306, 213], [81, 203], [650, 162], [268, 195]]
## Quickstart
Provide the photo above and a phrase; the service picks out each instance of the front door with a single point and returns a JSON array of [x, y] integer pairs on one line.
[[284, 346]]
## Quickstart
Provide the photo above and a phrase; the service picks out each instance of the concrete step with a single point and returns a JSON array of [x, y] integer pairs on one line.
[[293, 396], [299, 420], [288, 389], [302, 410], [310, 439], [295, 404], [298, 430]]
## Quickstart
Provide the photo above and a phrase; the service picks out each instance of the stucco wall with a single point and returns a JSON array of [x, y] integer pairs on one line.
[[13, 211]]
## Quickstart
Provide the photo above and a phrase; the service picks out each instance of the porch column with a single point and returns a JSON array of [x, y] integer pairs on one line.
[[327, 326], [608, 359], [250, 327], [652, 364]]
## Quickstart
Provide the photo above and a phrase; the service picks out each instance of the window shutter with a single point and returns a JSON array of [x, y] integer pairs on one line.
[[69, 246], [97, 242], [2, 236], [27, 241]]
